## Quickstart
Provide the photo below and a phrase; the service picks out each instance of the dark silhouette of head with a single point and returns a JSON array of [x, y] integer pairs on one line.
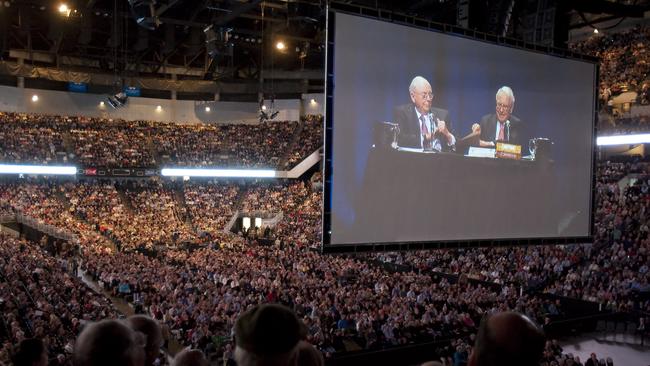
[[151, 329], [109, 343], [507, 339]]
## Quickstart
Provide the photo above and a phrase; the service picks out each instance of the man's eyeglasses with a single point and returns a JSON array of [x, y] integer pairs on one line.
[[504, 107], [426, 95]]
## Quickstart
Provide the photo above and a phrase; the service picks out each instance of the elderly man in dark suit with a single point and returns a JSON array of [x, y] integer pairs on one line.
[[421, 125], [501, 126]]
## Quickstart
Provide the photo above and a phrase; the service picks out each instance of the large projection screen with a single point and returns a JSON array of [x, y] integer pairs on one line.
[[434, 181]]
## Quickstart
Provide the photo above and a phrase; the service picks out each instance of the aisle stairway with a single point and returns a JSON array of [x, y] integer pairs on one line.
[[181, 210]]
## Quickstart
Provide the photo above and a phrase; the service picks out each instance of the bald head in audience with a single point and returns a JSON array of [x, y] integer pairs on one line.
[[151, 329], [109, 343], [507, 339], [190, 357]]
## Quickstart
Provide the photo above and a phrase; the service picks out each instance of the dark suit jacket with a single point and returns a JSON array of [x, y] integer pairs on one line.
[[409, 125], [489, 130]]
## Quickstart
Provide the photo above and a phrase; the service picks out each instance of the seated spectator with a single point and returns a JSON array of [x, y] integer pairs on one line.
[[190, 357], [30, 352], [507, 339], [308, 355], [151, 329], [109, 343], [268, 335]]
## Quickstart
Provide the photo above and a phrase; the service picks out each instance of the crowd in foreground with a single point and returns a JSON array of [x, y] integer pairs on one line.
[[345, 302]]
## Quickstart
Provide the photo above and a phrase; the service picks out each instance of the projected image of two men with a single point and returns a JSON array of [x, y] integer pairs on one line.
[[438, 137]]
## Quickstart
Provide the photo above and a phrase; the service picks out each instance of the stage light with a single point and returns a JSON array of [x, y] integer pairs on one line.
[[144, 12], [280, 46], [595, 30], [35, 98], [118, 100], [158, 108], [263, 107], [207, 109], [312, 101], [623, 140], [64, 10], [223, 173], [37, 169], [102, 104]]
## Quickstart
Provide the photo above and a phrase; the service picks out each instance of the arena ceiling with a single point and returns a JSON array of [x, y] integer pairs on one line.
[[226, 40]]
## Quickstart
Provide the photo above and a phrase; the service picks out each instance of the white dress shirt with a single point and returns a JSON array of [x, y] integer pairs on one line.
[[431, 126]]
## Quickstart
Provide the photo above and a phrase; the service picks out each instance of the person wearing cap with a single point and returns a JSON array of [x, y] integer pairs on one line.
[[271, 335]]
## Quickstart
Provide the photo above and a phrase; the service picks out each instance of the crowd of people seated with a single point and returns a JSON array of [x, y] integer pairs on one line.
[[241, 145], [624, 125], [31, 139], [624, 67], [98, 142], [343, 301], [624, 59], [211, 205], [41, 297], [306, 143]]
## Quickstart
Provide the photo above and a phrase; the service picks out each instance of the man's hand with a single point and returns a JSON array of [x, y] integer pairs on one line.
[[486, 143], [476, 128], [442, 127]]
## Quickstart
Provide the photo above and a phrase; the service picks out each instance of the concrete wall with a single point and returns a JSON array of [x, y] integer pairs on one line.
[[313, 103], [181, 111]]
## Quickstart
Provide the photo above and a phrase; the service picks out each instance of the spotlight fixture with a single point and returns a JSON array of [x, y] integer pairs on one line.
[[595, 30], [35, 98], [267, 114], [118, 100], [217, 41], [207, 109], [144, 12], [64, 9], [280, 46]]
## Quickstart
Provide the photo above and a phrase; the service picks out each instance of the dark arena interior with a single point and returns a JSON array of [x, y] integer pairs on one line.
[[314, 182]]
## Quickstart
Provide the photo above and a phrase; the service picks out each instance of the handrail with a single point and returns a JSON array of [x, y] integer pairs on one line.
[[39, 225]]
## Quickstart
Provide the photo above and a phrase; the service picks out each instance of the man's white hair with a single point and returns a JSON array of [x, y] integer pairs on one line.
[[418, 82], [508, 92]]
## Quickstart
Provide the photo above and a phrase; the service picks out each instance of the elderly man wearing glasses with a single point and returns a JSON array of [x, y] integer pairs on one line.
[[501, 126], [421, 125]]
